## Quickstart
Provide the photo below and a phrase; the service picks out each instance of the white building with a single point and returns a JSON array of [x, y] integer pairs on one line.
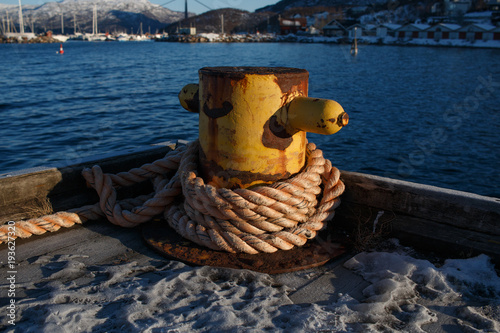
[[187, 31], [476, 31], [355, 30], [496, 33], [443, 31], [412, 31], [387, 30]]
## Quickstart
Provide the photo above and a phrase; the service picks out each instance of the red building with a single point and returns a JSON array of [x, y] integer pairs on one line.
[[293, 25]]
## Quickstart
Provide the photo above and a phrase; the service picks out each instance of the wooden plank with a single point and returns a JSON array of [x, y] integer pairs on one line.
[[422, 234], [95, 243], [439, 238], [455, 208], [64, 186]]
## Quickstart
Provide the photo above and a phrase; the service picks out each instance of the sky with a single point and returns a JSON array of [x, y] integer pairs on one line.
[[178, 5]]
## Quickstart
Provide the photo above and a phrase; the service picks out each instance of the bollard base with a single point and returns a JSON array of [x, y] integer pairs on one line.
[[167, 242]]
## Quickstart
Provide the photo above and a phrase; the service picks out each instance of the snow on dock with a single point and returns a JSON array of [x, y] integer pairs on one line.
[[112, 282]]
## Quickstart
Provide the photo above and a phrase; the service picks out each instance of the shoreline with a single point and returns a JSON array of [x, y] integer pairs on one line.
[[268, 38], [36, 40]]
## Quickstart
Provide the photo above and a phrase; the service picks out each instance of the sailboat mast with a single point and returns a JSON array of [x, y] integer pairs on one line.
[[94, 21], [21, 23], [222, 23]]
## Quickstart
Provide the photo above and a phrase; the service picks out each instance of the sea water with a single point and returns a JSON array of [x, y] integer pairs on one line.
[[423, 114]]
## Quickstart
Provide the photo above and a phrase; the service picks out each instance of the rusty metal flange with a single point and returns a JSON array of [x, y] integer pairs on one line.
[[167, 242]]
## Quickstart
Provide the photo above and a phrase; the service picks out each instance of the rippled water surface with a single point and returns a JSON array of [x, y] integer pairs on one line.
[[428, 115]]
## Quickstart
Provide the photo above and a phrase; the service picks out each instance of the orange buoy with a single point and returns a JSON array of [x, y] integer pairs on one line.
[[61, 51]]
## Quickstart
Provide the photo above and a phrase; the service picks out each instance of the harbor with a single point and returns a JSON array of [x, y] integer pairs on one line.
[[454, 25]]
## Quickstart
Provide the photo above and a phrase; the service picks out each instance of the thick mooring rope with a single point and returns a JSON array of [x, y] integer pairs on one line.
[[262, 219]]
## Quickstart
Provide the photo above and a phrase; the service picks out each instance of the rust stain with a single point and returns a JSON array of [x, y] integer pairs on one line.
[[321, 124], [214, 174], [275, 135], [286, 77], [218, 112], [213, 134], [193, 104], [287, 80], [166, 241], [216, 95], [342, 120]]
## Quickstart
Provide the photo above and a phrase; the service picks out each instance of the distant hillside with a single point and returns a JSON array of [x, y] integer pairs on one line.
[[235, 21], [371, 5], [365, 11], [285, 5], [112, 15]]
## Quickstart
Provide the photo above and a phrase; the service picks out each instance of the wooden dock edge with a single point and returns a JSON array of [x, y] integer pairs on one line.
[[426, 217], [430, 218]]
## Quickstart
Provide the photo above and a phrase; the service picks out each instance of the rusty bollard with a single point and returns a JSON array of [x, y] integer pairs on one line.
[[253, 122], [252, 130]]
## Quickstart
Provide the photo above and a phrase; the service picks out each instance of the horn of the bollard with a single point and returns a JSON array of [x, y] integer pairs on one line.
[[313, 115]]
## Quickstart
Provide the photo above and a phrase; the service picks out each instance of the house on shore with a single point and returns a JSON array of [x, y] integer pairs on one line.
[[367, 30], [496, 33], [437, 32], [387, 30], [336, 28], [412, 31], [191, 31], [356, 31], [476, 31], [293, 25], [443, 31]]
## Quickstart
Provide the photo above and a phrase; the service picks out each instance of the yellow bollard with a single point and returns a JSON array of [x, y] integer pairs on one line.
[[253, 123]]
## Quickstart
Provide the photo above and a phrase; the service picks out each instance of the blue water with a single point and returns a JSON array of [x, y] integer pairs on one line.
[[428, 115]]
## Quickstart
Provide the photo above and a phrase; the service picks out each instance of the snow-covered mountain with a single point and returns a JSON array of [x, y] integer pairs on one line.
[[112, 15]]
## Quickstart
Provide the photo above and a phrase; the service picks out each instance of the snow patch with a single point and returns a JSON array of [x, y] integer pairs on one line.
[[403, 295]]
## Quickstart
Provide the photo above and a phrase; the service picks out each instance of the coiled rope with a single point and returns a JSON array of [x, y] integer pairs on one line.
[[261, 219]]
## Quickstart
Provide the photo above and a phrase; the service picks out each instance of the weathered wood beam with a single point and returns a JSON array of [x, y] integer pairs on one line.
[[455, 208], [64, 186]]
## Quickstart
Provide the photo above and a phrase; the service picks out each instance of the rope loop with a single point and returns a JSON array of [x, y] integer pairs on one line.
[[262, 219]]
